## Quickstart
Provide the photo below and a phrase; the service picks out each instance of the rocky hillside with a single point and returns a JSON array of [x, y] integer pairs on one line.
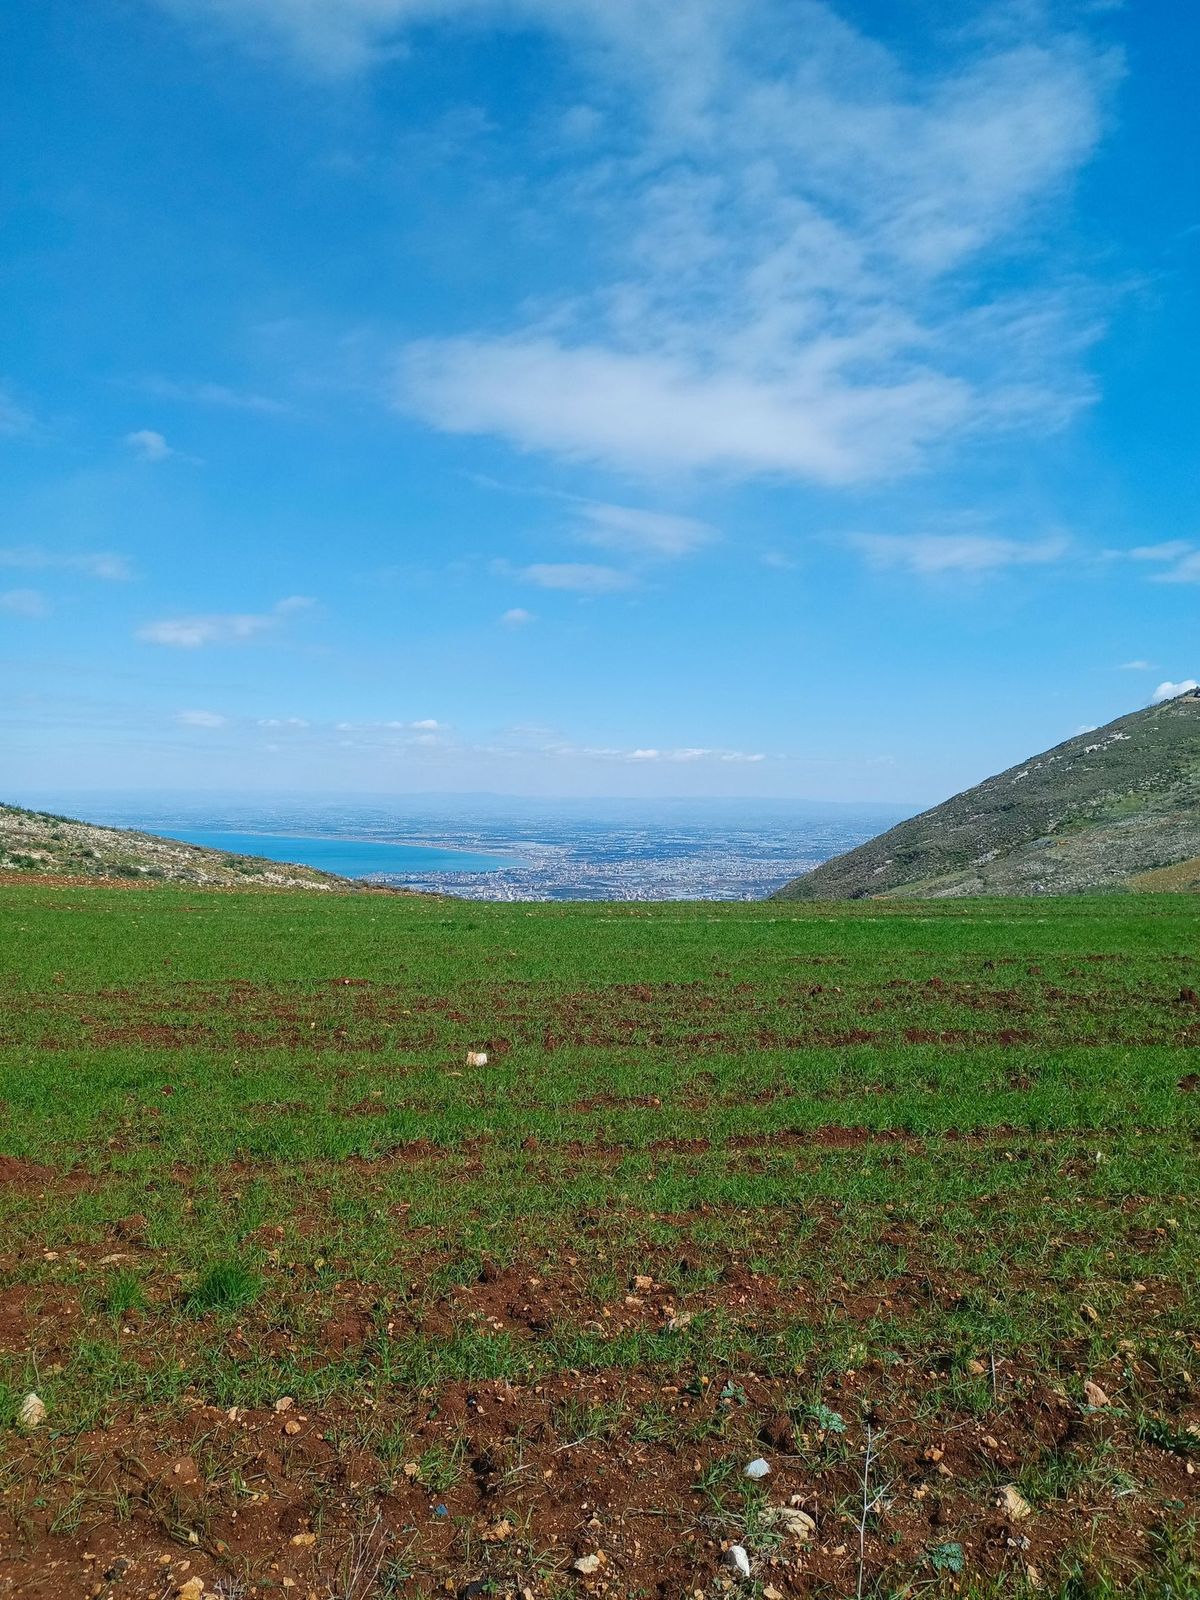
[[1117, 808], [36, 842]]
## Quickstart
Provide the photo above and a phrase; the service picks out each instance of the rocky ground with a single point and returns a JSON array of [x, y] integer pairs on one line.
[[35, 842]]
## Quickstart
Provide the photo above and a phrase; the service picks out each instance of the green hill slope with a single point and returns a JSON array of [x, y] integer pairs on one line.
[[37, 842], [1112, 809]]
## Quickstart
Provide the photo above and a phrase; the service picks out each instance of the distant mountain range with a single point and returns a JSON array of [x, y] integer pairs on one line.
[[38, 842], [1115, 808]]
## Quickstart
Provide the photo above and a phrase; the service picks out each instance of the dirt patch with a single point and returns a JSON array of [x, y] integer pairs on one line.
[[19, 1174]]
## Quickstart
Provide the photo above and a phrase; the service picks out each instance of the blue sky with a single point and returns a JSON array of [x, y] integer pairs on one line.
[[644, 397]]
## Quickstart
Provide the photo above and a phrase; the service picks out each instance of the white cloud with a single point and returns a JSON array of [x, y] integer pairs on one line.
[[200, 719], [1180, 560], [935, 554], [428, 724], [641, 533], [1169, 550], [282, 722], [1185, 570], [580, 576], [96, 564], [189, 633], [517, 617], [646, 411], [685, 755], [796, 227], [24, 603], [1136, 666], [1168, 691], [149, 445]]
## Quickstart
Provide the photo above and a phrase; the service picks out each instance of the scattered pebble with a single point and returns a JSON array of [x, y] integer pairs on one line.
[[758, 1468]]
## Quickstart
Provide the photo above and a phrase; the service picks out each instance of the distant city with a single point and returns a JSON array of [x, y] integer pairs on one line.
[[495, 848]]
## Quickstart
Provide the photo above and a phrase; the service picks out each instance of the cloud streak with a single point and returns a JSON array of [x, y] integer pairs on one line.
[[193, 632], [932, 555], [103, 564], [580, 577], [28, 603]]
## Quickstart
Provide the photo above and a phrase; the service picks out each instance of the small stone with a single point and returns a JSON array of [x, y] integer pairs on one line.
[[588, 1564], [1014, 1502], [292, 1427], [1095, 1395], [304, 1538], [798, 1524], [284, 1403], [737, 1558], [477, 1058], [191, 1589], [756, 1469], [32, 1413]]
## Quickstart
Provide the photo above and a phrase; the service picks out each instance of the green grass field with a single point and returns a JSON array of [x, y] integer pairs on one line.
[[872, 1191]]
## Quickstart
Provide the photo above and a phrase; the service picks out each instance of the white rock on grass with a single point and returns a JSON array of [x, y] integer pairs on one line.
[[33, 1412], [477, 1058], [758, 1468]]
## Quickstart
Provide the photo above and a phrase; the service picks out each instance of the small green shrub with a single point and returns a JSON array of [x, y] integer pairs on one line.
[[124, 1294], [225, 1286]]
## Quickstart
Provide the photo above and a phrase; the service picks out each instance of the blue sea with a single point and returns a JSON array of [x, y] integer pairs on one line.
[[349, 858], [489, 847]]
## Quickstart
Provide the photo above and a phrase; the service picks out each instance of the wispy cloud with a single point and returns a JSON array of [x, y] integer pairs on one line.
[[1136, 666], [797, 240], [214, 394], [799, 291], [517, 617], [580, 576], [641, 533], [1179, 560], [29, 603], [1169, 550], [200, 719], [91, 564], [686, 755], [190, 633], [938, 554], [149, 445]]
